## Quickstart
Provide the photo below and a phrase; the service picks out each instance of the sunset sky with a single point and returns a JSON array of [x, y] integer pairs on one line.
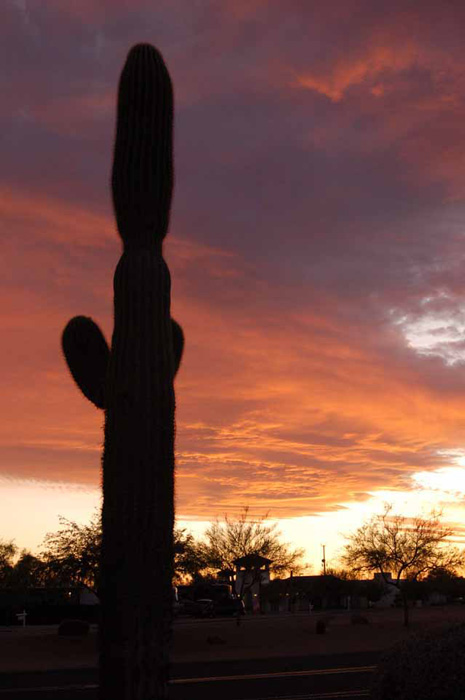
[[317, 253]]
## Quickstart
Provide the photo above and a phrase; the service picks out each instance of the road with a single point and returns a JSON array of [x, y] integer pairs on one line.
[[299, 678]]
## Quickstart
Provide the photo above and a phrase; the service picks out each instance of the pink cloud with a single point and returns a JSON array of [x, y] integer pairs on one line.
[[372, 66]]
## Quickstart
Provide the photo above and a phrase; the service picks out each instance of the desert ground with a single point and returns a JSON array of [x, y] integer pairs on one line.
[[41, 648]]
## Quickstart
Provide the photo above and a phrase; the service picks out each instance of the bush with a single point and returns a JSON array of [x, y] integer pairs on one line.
[[357, 619], [428, 666], [73, 628]]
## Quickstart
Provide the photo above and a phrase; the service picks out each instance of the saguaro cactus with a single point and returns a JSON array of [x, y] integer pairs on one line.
[[134, 383]]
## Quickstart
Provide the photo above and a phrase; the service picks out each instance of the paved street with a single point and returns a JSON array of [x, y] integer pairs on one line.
[[334, 676]]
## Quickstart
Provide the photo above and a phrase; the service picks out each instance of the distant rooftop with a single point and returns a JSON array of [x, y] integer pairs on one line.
[[252, 561]]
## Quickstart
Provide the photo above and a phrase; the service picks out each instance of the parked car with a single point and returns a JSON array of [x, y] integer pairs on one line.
[[196, 608], [229, 606], [208, 607]]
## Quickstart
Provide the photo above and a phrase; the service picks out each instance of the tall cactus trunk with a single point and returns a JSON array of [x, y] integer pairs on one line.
[[138, 467], [138, 459], [134, 383]]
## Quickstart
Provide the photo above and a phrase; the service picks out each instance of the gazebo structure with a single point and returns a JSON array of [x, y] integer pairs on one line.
[[252, 572]]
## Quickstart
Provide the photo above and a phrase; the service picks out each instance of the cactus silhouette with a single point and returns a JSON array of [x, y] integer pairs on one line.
[[87, 354], [133, 382]]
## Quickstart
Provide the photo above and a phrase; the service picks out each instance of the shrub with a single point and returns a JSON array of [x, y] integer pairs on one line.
[[73, 628], [427, 666]]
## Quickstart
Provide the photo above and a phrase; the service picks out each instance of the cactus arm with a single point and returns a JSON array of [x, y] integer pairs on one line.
[[87, 354], [178, 344]]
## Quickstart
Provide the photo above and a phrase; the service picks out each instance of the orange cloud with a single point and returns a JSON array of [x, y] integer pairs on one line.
[[368, 67], [292, 424]]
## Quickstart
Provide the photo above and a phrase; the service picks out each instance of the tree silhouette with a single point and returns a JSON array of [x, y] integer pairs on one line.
[[189, 556], [8, 551], [29, 571], [408, 548], [233, 538], [71, 555]]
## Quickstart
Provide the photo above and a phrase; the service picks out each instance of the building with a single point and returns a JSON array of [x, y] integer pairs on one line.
[[306, 593], [251, 574]]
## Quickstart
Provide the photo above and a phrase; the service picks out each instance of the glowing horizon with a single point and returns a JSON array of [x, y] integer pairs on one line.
[[79, 504]]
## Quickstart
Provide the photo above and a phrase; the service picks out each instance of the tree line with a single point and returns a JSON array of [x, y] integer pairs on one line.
[[70, 557], [404, 551]]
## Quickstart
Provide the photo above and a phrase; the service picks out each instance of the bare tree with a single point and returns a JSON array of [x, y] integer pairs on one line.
[[407, 548], [230, 539], [245, 536], [340, 573]]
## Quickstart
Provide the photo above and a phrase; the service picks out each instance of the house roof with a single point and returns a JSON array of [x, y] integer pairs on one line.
[[251, 561]]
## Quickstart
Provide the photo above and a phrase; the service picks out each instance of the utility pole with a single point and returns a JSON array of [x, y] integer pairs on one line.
[[323, 561]]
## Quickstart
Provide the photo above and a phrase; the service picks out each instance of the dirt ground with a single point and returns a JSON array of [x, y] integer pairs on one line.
[[40, 648]]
